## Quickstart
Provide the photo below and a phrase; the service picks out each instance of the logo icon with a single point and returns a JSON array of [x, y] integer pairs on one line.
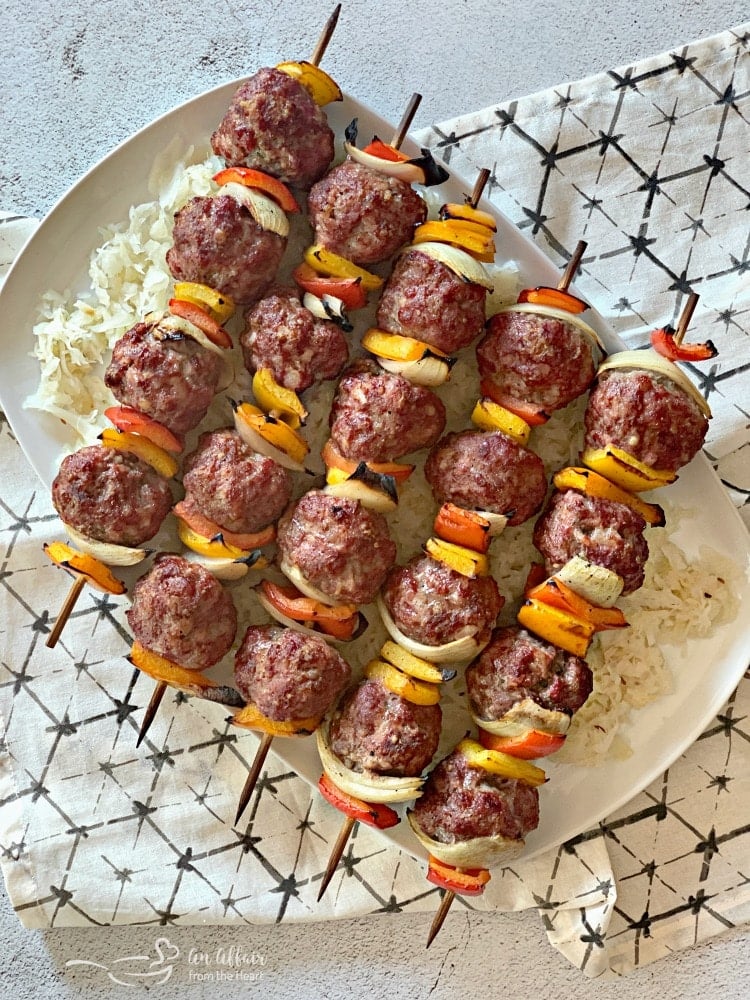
[[139, 970]]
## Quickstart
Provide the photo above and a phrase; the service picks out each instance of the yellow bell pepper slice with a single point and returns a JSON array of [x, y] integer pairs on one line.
[[396, 347], [280, 402], [595, 485], [557, 626], [465, 561], [415, 666], [502, 764], [164, 463], [475, 240], [468, 213], [277, 433], [214, 548], [216, 304], [162, 669], [322, 88], [251, 717], [624, 470], [334, 266], [97, 575], [413, 690], [491, 416]]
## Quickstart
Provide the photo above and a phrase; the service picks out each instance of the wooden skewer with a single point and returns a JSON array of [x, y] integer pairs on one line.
[[479, 186], [65, 611], [338, 849], [406, 119], [439, 919], [687, 315], [325, 36], [252, 777], [151, 710], [570, 271]]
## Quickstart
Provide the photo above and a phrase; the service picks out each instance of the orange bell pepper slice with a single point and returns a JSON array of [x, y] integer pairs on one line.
[[251, 717], [339, 621], [532, 414], [200, 318], [462, 881], [334, 460], [96, 574], [664, 343], [262, 182], [385, 152], [372, 813], [557, 594], [528, 746], [203, 525], [128, 419], [556, 298], [464, 527], [349, 290]]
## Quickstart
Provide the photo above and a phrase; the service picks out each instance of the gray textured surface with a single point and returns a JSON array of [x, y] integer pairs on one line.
[[77, 77]]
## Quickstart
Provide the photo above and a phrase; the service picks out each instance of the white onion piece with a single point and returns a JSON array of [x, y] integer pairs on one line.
[[479, 852], [524, 716], [295, 625], [559, 314], [498, 522], [327, 307], [595, 584], [368, 786], [222, 569], [266, 212], [403, 170], [457, 651], [106, 552], [427, 371], [650, 361], [456, 260], [258, 443], [368, 496], [177, 324], [305, 587]]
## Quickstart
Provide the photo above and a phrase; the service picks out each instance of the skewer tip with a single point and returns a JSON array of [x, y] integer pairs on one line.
[[252, 775], [65, 611], [335, 856], [151, 710], [439, 919]]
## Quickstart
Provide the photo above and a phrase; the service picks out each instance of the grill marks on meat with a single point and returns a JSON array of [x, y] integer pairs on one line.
[[300, 349], [274, 125], [606, 533], [339, 546], [111, 495], [517, 665], [374, 729], [216, 241], [379, 417], [171, 380], [649, 416], [484, 470], [424, 299], [363, 214], [536, 358], [287, 674], [433, 604], [460, 803], [233, 485], [182, 612]]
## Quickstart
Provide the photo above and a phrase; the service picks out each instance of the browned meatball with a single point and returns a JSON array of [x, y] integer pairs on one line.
[[169, 377], [378, 417], [111, 495], [374, 729], [287, 674], [432, 603], [536, 359], [216, 241], [281, 334], [605, 532], [460, 803], [518, 665], [484, 470], [233, 485], [274, 125], [647, 415], [181, 611], [363, 214], [339, 546], [425, 299]]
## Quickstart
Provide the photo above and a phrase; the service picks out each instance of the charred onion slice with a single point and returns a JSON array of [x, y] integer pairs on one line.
[[563, 316], [374, 490], [96, 574], [328, 307], [652, 362], [226, 568], [106, 552], [365, 785], [524, 716], [430, 371], [456, 260], [457, 651], [475, 240], [167, 326], [260, 181], [201, 319], [267, 213], [417, 170], [479, 852], [304, 585], [596, 584]]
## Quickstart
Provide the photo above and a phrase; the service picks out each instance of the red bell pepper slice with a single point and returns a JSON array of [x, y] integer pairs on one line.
[[462, 881], [350, 290], [372, 813], [262, 182], [385, 152], [340, 621], [204, 526], [533, 415], [130, 420], [528, 746], [664, 343], [556, 298], [200, 318]]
